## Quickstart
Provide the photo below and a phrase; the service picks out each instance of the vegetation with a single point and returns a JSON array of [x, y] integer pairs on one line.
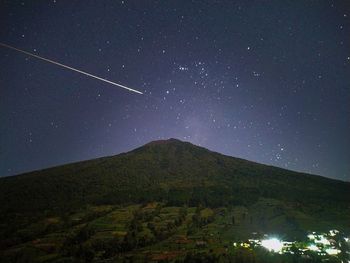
[[166, 201]]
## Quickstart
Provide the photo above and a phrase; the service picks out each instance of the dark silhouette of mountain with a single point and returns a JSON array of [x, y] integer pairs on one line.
[[166, 170]]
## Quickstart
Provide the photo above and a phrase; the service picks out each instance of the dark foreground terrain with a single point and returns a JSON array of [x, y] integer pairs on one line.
[[171, 201]]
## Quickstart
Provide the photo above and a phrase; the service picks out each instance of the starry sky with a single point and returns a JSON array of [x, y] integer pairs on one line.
[[266, 81]]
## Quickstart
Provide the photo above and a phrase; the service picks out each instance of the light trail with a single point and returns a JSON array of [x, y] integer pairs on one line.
[[68, 67]]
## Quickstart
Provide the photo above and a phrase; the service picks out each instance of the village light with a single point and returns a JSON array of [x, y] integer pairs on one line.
[[333, 232], [322, 240], [272, 244], [311, 236], [332, 251], [313, 247]]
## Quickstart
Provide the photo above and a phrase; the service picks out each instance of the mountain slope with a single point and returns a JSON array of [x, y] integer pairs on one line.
[[173, 171]]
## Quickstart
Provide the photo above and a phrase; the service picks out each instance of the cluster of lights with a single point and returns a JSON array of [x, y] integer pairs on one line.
[[272, 244], [322, 244]]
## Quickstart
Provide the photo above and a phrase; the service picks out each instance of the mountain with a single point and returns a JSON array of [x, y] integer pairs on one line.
[[172, 170], [169, 174]]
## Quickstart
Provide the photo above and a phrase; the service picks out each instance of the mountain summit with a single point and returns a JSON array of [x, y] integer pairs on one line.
[[168, 141]]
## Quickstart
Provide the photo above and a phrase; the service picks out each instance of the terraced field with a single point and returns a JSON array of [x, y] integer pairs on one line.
[[150, 232]]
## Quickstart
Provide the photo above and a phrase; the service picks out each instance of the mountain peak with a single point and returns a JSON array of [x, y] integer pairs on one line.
[[167, 141]]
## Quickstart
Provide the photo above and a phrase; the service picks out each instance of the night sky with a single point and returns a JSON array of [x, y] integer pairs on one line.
[[267, 81]]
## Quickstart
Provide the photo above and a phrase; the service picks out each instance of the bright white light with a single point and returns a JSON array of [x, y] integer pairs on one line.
[[333, 232], [313, 248], [311, 236], [323, 241], [332, 251], [272, 244]]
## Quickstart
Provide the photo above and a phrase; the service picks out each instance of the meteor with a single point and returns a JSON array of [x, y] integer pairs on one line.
[[73, 69]]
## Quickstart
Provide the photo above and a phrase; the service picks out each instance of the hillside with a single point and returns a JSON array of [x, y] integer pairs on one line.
[[173, 176], [171, 170]]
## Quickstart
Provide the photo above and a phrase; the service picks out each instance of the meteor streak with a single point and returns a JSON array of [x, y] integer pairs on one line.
[[74, 69]]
